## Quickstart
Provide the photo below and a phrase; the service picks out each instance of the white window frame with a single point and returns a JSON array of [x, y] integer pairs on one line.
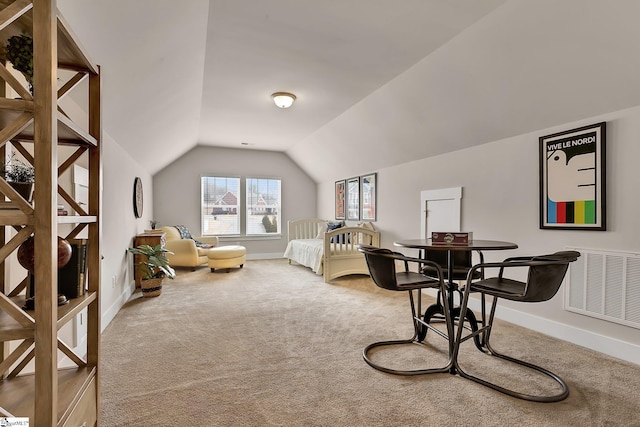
[[278, 207], [226, 209]]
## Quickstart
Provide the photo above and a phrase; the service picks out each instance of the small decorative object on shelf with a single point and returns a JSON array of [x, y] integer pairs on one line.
[[155, 267], [26, 258], [26, 253], [20, 175], [20, 54]]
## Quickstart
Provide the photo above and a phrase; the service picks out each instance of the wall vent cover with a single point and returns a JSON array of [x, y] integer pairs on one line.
[[605, 285]]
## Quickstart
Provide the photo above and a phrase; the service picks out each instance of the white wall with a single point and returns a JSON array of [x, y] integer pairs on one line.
[[500, 202], [177, 190], [119, 224]]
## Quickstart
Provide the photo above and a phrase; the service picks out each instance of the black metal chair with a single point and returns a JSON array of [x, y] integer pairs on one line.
[[382, 267], [545, 274]]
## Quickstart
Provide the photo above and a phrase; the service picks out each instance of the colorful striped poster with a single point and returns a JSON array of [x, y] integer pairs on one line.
[[572, 179]]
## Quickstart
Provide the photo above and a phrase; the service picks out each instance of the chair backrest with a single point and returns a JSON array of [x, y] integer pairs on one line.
[[382, 266], [460, 258], [462, 263], [546, 275], [171, 233]]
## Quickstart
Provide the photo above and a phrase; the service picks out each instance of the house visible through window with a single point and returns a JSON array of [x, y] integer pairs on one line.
[[220, 205], [222, 209], [263, 206]]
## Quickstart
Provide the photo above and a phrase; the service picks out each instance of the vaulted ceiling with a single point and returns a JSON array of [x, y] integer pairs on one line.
[[177, 74], [384, 81]]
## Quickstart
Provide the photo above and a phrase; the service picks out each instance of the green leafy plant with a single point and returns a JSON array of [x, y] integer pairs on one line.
[[155, 263], [20, 54], [270, 225], [16, 170]]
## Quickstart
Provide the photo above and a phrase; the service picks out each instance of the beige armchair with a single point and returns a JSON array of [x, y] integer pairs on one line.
[[185, 251]]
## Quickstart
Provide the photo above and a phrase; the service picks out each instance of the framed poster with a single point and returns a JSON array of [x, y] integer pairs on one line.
[[368, 197], [340, 199], [353, 198], [572, 179]]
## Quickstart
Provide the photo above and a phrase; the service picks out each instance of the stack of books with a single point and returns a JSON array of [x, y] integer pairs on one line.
[[62, 211], [72, 278]]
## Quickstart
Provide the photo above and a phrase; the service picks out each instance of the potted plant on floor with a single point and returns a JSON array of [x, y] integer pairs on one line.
[[154, 267], [20, 175]]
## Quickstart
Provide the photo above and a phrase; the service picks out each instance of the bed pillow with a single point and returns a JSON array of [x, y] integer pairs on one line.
[[366, 239], [322, 228], [341, 238]]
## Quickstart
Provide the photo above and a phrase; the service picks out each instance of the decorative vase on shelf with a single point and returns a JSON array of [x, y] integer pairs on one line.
[[25, 189], [27, 259]]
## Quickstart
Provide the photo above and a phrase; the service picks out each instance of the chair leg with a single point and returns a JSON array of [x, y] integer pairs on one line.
[[485, 332], [418, 324]]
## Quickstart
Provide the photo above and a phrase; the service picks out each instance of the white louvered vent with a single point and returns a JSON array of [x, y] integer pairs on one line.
[[605, 285]]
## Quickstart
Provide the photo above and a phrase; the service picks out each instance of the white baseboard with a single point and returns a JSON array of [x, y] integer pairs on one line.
[[111, 312], [610, 346], [274, 255]]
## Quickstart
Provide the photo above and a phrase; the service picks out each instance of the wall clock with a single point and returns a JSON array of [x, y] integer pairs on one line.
[[137, 197]]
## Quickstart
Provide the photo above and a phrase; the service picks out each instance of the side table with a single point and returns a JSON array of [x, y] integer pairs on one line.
[[146, 238]]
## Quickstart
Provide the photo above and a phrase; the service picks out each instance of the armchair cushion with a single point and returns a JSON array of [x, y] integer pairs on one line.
[[186, 234], [186, 252]]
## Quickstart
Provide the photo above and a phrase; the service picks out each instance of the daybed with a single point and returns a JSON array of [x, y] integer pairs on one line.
[[332, 253]]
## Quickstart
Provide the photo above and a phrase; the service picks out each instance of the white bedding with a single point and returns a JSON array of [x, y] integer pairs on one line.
[[330, 256], [307, 252]]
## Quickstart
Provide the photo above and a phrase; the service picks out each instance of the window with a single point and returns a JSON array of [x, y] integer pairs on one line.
[[220, 204], [224, 214], [263, 206]]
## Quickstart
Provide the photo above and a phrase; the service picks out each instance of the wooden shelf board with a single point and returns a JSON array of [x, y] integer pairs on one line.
[[11, 330], [17, 393], [15, 217], [76, 305], [71, 54], [76, 219], [68, 131]]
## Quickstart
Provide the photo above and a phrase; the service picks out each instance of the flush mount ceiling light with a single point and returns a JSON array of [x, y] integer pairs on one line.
[[283, 99]]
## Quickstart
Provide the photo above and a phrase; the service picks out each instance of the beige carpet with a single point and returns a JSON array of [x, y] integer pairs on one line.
[[273, 345]]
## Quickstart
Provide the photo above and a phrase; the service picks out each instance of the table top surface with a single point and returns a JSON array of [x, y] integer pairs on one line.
[[475, 244]]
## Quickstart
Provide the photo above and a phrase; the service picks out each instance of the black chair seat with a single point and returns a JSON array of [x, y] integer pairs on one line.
[[502, 287], [406, 280]]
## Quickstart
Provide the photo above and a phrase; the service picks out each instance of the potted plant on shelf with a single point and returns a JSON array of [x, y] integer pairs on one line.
[[20, 175], [154, 267], [20, 54]]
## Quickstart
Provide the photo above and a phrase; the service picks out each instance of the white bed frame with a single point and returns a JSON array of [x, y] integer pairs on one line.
[[339, 258]]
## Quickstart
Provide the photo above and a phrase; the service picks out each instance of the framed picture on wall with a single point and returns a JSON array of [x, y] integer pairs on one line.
[[572, 179], [353, 198], [340, 199], [368, 197]]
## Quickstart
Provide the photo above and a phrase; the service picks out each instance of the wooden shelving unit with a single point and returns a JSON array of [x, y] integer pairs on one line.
[[50, 396]]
